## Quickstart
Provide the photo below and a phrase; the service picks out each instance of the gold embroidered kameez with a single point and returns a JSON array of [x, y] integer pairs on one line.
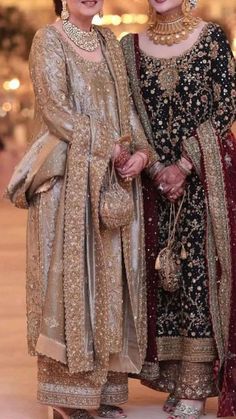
[[85, 285]]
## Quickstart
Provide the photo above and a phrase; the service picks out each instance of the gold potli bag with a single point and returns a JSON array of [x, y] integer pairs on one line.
[[116, 203], [168, 264]]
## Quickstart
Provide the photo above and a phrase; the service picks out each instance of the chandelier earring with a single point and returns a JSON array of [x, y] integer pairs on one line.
[[193, 3], [65, 13], [186, 8], [188, 5]]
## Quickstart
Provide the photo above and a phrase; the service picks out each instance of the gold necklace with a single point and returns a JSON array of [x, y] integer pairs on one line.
[[172, 29], [87, 41]]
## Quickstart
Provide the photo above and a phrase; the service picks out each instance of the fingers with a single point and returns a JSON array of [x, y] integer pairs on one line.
[[128, 165], [174, 195]]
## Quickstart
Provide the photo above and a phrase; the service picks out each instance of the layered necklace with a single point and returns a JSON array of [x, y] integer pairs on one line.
[[172, 29], [88, 41]]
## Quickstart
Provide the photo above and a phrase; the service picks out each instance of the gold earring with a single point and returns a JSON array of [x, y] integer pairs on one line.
[[65, 13], [186, 8], [101, 14]]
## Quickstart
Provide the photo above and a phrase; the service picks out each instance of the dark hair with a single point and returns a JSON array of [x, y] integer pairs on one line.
[[58, 7]]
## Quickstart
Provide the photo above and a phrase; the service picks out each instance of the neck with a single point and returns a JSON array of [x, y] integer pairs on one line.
[[176, 10], [83, 23], [170, 16]]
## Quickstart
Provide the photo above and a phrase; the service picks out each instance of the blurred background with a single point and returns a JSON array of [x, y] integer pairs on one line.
[[19, 19]]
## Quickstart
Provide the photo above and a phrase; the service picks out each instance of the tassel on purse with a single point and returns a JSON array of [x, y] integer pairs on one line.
[[167, 263]]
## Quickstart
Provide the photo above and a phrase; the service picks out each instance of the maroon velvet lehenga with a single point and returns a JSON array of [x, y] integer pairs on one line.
[[187, 104]]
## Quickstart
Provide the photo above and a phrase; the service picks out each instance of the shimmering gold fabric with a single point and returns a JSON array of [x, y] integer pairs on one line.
[[185, 380], [85, 286]]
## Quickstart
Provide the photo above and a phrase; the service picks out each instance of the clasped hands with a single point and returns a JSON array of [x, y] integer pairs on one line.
[[129, 165], [171, 182]]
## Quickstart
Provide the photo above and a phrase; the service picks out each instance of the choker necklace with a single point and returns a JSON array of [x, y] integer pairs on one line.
[[87, 41], [172, 29]]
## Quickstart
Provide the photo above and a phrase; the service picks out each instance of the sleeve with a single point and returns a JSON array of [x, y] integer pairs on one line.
[[139, 139], [49, 78], [223, 84]]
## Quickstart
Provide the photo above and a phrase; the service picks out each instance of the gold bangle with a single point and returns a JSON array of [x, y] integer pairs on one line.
[[183, 169]]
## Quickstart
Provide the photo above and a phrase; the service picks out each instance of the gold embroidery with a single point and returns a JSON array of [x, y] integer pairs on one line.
[[219, 214], [211, 255], [186, 380], [168, 79], [186, 349], [127, 44], [57, 387], [191, 146], [115, 391], [195, 381], [34, 289]]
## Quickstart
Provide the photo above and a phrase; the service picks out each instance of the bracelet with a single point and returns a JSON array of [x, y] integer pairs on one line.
[[185, 166], [155, 169]]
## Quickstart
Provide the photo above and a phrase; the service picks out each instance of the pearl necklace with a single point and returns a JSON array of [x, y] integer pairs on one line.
[[87, 41], [169, 30]]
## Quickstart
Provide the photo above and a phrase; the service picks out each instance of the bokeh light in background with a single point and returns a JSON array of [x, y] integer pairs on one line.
[[19, 19]]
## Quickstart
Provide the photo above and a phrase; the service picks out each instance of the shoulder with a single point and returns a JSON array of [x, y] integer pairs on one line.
[[216, 34], [127, 40], [46, 45], [46, 39], [46, 33]]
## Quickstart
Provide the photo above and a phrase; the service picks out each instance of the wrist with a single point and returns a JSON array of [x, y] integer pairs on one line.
[[144, 152], [185, 165], [144, 157], [155, 169]]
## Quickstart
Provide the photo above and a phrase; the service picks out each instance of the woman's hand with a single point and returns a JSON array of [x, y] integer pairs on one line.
[[175, 193], [171, 176], [171, 182], [134, 166]]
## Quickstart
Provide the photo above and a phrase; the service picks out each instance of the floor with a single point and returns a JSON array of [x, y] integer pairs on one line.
[[18, 372]]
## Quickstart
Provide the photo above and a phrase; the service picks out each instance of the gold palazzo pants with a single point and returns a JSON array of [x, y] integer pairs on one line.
[[57, 387]]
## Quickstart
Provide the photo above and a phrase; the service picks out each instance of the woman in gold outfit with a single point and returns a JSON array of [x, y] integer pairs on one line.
[[85, 280], [182, 76]]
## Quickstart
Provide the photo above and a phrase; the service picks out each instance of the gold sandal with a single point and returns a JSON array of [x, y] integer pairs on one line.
[[184, 411], [170, 404], [59, 413], [106, 411]]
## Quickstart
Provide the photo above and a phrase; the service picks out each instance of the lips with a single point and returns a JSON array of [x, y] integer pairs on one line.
[[89, 3]]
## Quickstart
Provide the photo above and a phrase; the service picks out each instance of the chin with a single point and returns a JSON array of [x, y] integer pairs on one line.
[[90, 7], [164, 6]]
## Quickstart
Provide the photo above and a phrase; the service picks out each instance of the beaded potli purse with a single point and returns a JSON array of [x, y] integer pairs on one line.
[[116, 203], [168, 264]]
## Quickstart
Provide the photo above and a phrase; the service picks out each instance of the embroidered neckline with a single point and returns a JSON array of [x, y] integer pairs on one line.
[[79, 57]]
